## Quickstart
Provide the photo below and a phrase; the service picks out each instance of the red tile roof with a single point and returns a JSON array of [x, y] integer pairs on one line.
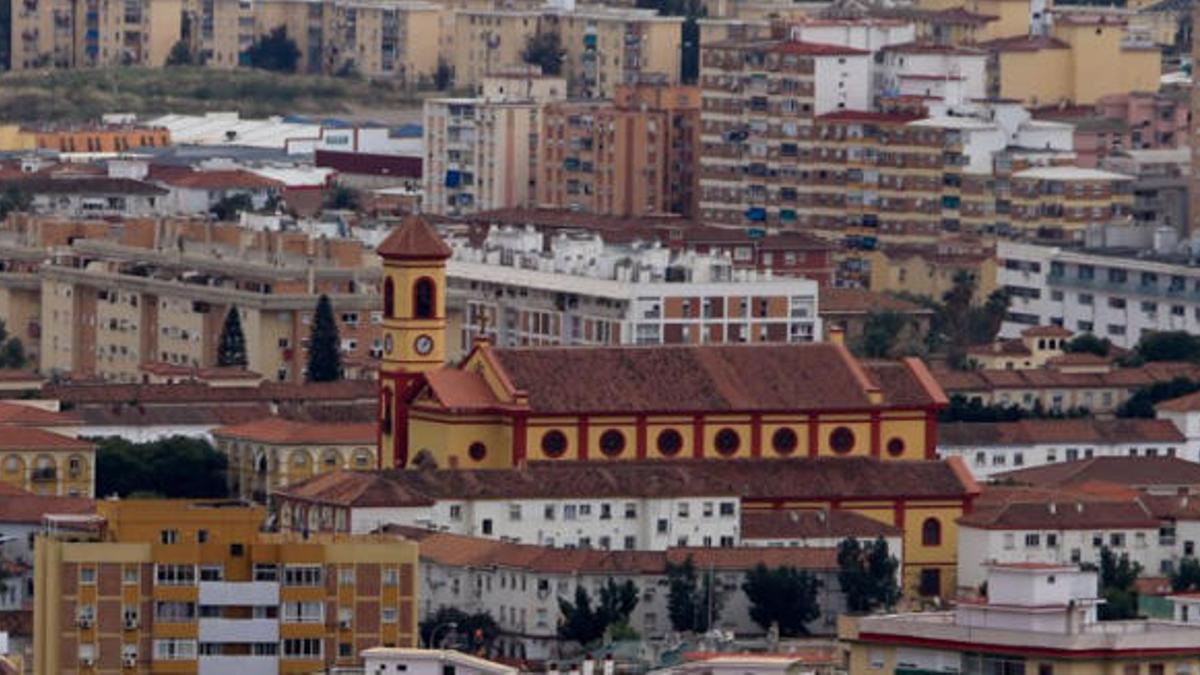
[[1024, 43], [461, 551], [29, 508], [220, 179], [749, 479], [1134, 472], [956, 381], [1185, 403], [28, 415], [778, 524], [1079, 430], [280, 431], [416, 239], [1060, 509], [33, 438], [710, 378], [1047, 331]]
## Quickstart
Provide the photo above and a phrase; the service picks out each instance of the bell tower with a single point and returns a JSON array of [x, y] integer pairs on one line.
[[414, 327]]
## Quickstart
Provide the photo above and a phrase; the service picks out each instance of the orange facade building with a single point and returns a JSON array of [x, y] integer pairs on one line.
[[100, 139], [502, 407]]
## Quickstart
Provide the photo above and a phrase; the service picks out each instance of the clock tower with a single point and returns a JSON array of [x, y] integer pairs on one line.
[[414, 327]]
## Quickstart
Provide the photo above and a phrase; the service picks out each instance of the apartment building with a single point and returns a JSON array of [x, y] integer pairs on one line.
[[83, 139], [394, 40], [1035, 618], [268, 454], [197, 587], [988, 448], [117, 296], [520, 288], [930, 269], [633, 156], [219, 31], [479, 155], [759, 100], [1115, 293], [521, 585], [46, 463], [655, 505]]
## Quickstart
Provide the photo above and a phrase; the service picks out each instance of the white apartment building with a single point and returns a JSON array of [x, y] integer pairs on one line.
[[989, 448], [522, 288], [521, 585], [947, 73], [1114, 293]]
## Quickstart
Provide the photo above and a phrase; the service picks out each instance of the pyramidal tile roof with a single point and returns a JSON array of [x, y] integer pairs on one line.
[[415, 239]]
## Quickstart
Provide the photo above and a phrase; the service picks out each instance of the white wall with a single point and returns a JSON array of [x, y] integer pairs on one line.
[[985, 461], [841, 83]]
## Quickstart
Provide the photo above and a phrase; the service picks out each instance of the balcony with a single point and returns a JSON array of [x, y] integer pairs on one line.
[[44, 475], [242, 665], [239, 593], [239, 631]]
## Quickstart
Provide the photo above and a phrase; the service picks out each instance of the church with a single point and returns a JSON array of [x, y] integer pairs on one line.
[[503, 407]]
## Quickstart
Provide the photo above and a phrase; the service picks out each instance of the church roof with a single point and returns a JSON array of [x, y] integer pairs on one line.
[[415, 238], [711, 378]]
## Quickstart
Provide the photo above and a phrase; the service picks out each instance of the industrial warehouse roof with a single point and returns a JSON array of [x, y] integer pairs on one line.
[[825, 478]]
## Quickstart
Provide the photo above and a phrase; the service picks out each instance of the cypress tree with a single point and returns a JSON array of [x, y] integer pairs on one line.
[[324, 346], [231, 351]]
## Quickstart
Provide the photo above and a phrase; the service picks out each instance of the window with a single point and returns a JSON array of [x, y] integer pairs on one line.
[[1032, 540], [930, 583], [1051, 540], [424, 299], [606, 511], [168, 537], [302, 575], [784, 441], [389, 615], [303, 612], [346, 576], [266, 572], [175, 575], [895, 446], [554, 444], [212, 572], [683, 509], [727, 509], [130, 575], [931, 532], [630, 511], [477, 451], [670, 442], [841, 440], [303, 648], [486, 525], [727, 442], [1117, 540], [391, 577], [514, 512], [455, 512], [389, 298], [612, 443], [201, 536], [174, 611], [630, 543], [87, 575], [662, 526], [174, 650]]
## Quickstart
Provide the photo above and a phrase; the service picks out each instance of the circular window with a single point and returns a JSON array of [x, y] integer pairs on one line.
[[612, 442], [477, 451], [841, 440], [727, 441], [670, 442], [784, 441], [895, 446], [554, 444]]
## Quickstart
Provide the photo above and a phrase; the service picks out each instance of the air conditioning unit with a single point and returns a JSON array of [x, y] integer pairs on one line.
[[130, 662], [84, 622]]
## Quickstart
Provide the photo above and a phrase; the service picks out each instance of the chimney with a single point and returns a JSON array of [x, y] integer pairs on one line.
[[837, 335]]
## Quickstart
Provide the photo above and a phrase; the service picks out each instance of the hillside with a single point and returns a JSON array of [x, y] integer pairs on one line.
[[79, 95]]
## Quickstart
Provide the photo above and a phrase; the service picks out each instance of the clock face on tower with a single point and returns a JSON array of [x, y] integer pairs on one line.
[[423, 344]]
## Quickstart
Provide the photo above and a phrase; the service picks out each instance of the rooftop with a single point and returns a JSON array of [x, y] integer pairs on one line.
[[749, 479], [811, 524], [1127, 471], [1084, 430], [1069, 173], [280, 431]]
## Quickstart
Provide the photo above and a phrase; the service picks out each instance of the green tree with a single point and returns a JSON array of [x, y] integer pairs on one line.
[[784, 596], [1173, 345], [1117, 578], [228, 208], [881, 332], [12, 351], [1186, 577], [342, 198], [585, 624], [14, 199], [867, 575], [231, 351], [693, 604], [1088, 343], [274, 51], [180, 54], [324, 346], [545, 50], [1142, 403], [473, 633], [177, 467]]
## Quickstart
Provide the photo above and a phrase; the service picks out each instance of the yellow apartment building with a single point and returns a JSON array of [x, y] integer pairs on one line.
[[930, 269], [398, 40], [1060, 202], [197, 587], [486, 41], [220, 30], [269, 454]]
